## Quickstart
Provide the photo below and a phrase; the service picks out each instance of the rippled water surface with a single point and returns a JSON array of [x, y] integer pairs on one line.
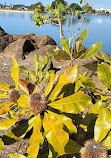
[[99, 28]]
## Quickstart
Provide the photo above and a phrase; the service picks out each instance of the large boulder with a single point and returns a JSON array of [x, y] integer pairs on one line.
[[42, 40], [5, 39], [19, 48]]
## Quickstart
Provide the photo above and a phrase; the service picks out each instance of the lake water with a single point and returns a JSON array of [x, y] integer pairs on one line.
[[99, 28]]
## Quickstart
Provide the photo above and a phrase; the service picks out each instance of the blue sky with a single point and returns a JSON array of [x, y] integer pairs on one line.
[[95, 3]]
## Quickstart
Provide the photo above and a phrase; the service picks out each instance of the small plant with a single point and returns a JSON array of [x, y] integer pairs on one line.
[[56, 115]]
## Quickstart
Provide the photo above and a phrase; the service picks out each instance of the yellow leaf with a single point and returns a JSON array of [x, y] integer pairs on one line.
[[7, 124], [102, 125], [69, 76], [17, 155], [3, 95], [4, 87], [74, 103], [3, 104], [36, 139], [107, 141], [15, 73], [23, 101], [5, 108], [50, 85], [55, 134], [66, 121], [1, 144]]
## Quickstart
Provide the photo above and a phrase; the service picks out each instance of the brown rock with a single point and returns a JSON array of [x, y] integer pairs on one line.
[[5, 39], [42, 40], [19, 48]]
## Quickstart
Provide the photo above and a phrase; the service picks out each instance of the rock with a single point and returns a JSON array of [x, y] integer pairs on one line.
[[42, 40], [28, 62], [2, 32], [19, 48], [5, 39]]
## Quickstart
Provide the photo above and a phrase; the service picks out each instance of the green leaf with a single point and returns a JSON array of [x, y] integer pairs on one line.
[[3, 95], [45, 77], [69, 76], [55, 134], [105, 56], [50, 85], [65, 45], [44, 62], [36, 138], [23, 101], [17, 155], [15, 73], [1, 144], [97, 107], [104, 74], [6, 124], [22, 67], [78, 85], [21, 130], [107, 141], [66, 121], [72, 147], [60, 54], [102, 125], [33, 76], [93, 50], [78, 45], [40, 73], [86, 81], [4, 87], [84, 34], [36, 62], [75, 103]]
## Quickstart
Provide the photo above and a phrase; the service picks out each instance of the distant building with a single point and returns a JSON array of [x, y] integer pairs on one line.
[[101, 10], [7, 7]]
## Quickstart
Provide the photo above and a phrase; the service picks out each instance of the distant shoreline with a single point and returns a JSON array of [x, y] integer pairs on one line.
[[16, 11]]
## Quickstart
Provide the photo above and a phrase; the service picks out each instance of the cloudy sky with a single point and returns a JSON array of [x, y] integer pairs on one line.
[[95, 3]]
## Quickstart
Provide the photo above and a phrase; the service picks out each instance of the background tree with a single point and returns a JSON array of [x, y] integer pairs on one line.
[[73, 7], [57, 2], [38, 6]]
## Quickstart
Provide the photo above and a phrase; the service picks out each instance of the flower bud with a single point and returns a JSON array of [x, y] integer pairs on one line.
[[93, 149], [37, 103], [13, 95]]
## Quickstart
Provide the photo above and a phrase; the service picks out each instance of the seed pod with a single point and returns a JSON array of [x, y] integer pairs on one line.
[[93, 149], [13, 95], [37, 103]]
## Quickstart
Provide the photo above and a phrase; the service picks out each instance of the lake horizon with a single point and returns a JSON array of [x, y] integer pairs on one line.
[[99, 28]]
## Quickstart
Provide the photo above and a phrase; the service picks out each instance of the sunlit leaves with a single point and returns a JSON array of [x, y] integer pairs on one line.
[[32, 75], [1, 144], [15, 73], [50, 85], [17, 155], [3, 95], [44, 62], [97, 107], [107, 141], [55, 134], [23, 101], [102, 125], [69, 76], [5, 108], [66, 121], [20, 131], [4, 87], [65, 45], [104, 74], [86, 81], [6, 124], [93, 50], [35, 139], [74, 103]]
